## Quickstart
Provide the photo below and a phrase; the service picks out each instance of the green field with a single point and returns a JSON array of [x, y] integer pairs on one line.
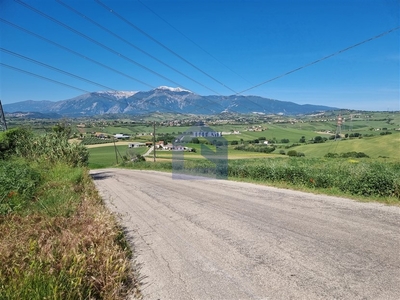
[[106, 156], [376, 147], [387, 146]]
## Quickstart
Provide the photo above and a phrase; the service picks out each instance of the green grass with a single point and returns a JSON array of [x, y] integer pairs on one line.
[[57, 240], [103, 157], [361, 179], [19, 182], [387, 146], [63, 243]]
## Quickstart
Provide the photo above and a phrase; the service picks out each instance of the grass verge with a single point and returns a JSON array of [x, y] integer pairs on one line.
[[361, 179], [62, 243]]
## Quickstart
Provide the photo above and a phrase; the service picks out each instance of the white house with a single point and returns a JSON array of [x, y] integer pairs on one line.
[[121, 136]]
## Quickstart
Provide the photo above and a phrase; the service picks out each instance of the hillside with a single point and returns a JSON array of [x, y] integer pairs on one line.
[[162, 99], [386, 146]]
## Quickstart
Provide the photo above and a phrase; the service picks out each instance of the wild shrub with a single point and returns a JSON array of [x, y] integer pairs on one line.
[[370, 179], [255, 148], [19, 181], [13, 138], [352, 154], [51, 148], [365, 179]]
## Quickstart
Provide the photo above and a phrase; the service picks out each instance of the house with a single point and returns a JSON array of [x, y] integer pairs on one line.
[[168, 147], [178, 148], [121, 136], [160, 145], [136, 145]]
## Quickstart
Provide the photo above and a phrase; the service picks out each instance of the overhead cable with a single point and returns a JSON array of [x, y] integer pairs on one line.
[[160, 44], [74, 52], [190, 40], [96, 42], [132, 45], [321, 59], [43, 77], [54, 68]]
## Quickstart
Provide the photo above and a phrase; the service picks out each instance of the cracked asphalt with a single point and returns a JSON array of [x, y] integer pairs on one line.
[[217, 239]]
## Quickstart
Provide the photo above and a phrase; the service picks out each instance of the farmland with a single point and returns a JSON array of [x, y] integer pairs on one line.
[[312, 140], [305, 153]]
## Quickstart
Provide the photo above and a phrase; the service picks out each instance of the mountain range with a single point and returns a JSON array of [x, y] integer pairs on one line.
[[161, 99]]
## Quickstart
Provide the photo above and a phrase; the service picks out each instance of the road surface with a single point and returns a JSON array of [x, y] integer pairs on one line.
[[216, 239]]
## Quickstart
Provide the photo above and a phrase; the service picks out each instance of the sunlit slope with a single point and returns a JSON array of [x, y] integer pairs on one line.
[[384, 146]]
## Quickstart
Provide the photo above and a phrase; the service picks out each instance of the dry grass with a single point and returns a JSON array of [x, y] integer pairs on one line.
[[82, 256]]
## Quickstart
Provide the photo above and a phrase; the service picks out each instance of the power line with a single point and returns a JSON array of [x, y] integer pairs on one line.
[[193, 42], [132, 45], [54, 68], [321, 59], [74, 52], [160, 44], [82, 56], [94, 41], [43, 77], [79, 33], [77, 88]]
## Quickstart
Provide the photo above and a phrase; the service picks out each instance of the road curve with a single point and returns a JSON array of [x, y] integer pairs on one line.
[[217, 239]]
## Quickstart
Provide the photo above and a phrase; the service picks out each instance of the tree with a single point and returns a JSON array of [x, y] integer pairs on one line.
[[302, 139], [318, 139], [62, 129]]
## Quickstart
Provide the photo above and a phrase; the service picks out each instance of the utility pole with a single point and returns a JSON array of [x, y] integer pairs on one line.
[[339, 126], [154, 141], [3, 124], [115, 149]]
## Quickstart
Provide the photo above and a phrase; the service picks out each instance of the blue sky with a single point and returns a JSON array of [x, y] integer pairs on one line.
[[231, 46]]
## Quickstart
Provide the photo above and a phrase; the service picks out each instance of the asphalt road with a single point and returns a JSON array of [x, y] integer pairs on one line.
[[216, 239]]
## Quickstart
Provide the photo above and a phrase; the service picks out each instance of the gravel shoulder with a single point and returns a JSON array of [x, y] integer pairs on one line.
[[216, 239]]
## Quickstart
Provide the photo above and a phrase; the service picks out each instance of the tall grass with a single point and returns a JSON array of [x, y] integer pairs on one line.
[[361, 177], [57, 240]]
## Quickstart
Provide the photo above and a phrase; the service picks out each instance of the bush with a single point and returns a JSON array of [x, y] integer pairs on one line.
[[255, 148], [292, 153], [366, 179], [11, 139], [351, 154], [319, 139], [50, 149], [18, 185], [138, 158]]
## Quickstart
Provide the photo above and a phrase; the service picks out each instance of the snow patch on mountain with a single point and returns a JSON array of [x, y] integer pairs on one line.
[[118, 94], [177, 89]]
